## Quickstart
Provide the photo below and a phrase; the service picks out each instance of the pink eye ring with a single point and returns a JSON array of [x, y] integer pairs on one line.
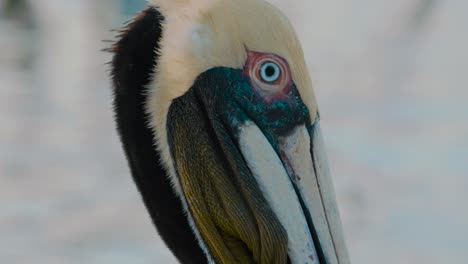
[[269, 75]]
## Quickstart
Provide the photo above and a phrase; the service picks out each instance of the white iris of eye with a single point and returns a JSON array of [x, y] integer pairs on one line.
[[270, 72]]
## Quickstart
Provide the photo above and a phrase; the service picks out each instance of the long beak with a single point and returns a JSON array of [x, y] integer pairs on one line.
[[257, 187], [296, 182]]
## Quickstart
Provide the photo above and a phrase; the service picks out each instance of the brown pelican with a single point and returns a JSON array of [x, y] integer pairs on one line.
[[220, 126]]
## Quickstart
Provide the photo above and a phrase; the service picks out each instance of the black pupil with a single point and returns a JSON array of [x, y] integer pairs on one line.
[[270, 71]]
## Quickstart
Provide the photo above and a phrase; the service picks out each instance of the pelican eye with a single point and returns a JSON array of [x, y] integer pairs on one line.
[[270, 72]]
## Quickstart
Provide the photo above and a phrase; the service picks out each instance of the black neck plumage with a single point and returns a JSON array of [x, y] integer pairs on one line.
[[134, 62]]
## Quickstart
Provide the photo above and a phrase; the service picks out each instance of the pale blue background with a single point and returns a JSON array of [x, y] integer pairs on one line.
[[391, 82]]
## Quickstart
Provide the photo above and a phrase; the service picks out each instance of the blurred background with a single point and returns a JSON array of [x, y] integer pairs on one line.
[[391, 81]]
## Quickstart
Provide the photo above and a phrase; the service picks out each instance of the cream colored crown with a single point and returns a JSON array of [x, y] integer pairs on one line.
[[201, 34]]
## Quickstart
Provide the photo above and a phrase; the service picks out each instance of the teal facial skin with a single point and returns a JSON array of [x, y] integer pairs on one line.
[[231, 97]]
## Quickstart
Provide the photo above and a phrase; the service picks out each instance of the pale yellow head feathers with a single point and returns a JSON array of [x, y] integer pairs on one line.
[[202, 34]]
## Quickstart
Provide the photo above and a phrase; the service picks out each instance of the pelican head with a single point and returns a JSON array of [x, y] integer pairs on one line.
[[219, 122]]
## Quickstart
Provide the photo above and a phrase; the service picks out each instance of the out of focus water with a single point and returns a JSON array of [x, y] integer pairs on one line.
[[391, 80]]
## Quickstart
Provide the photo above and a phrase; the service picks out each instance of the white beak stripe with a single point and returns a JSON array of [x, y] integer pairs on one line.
[[278, 190]]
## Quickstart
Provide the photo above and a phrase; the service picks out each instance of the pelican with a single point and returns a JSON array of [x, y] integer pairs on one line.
[[218, 119]]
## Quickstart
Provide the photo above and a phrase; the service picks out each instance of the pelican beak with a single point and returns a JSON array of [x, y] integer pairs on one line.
[[254, 173]]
